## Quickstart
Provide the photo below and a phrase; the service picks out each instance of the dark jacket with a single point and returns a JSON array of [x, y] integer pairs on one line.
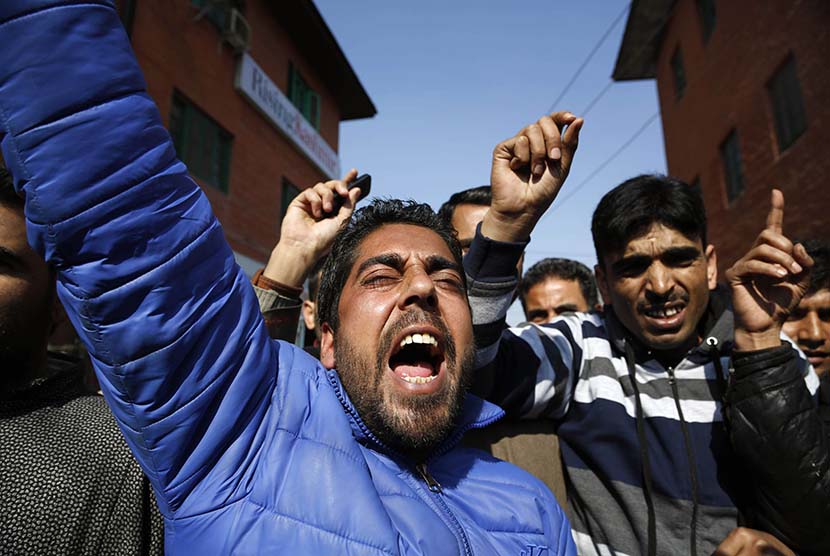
[[773, 422]]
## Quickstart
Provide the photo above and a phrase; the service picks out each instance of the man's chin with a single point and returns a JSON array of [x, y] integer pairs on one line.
[[668, 342], [418, 422]]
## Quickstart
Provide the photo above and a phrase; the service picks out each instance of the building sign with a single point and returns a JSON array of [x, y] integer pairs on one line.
[[258, 88]]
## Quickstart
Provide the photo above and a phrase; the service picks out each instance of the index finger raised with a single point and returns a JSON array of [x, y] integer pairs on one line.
[[775, 218]]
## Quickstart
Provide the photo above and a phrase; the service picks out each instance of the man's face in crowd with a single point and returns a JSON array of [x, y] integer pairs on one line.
[[552, 297], [659, 287], [403, 347], [809, 326], [465, 218], [26, 302]]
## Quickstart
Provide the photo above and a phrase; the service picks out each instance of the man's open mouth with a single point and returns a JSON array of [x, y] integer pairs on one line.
[[417, 357], [666, 316], [664, 311]]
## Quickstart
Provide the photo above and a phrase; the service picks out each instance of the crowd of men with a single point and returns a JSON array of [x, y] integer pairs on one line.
[[644, 408]]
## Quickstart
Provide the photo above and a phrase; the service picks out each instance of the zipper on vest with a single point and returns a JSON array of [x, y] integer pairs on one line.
[[433, 485]]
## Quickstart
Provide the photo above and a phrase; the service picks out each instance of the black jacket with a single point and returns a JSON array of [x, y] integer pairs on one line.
[[774, 424]]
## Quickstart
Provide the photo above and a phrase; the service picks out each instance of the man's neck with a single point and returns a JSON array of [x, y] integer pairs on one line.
[[670, 358]]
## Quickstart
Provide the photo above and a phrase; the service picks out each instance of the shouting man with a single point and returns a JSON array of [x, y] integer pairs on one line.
[[252, 446], [637, 390]]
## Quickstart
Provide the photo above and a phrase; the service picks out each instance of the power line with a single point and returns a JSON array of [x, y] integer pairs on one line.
[[572, 191], [596, 99], [555, 104]]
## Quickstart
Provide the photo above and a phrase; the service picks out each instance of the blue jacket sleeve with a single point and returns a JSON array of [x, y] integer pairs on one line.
[[149, 282]]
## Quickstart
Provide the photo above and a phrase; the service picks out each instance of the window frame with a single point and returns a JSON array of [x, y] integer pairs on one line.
[[188, 119], [286, 188], [678, 69], [707, 24], [730, 154], [786, 100], [303, 97]]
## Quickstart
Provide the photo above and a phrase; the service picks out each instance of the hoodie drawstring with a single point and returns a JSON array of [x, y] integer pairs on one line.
[[714, 353], [690, 456], [641, 438]]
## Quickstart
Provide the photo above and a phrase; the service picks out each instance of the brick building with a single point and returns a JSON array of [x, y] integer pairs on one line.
[[253, 93], [744, 91]]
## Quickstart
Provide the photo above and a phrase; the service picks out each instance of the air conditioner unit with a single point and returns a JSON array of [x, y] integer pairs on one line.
[[237, 32]]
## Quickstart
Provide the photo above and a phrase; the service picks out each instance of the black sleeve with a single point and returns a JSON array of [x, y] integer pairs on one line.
[[781, 442]]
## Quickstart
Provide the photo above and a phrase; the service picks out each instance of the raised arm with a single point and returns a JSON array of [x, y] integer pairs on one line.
[[526, 370], [144, 272], [306, 234]]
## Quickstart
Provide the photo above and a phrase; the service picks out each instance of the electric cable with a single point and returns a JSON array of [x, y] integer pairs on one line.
[[572, 191], [588, 59]]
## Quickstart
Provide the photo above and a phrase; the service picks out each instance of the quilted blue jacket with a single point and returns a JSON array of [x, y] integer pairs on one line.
[[252, 446]]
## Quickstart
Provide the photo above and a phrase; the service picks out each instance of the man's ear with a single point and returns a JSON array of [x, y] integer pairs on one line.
[[308, 314], [327, 346], [602, 283], [711, 266]]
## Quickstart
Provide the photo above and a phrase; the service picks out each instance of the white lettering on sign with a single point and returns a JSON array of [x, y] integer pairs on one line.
[[258, 88]]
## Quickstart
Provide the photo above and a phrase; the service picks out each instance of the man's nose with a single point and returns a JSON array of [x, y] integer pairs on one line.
[[659, 281], [418, 289], [810, 331]]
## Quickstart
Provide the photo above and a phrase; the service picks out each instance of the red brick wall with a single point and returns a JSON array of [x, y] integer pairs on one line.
[[177, 53], [726, 88]]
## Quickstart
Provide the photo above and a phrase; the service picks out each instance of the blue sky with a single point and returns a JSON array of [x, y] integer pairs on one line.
[[451, 79]]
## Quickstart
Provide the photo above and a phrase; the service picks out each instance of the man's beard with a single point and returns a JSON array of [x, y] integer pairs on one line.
[[411, 423]]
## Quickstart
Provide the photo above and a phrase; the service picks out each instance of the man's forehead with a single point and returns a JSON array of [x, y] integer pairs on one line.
[[560, 289], [656, 239], [819, 298], [466, 217], [405, 241]]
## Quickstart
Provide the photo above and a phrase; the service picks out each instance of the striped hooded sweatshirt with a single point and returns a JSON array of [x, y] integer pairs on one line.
[[647, 458]]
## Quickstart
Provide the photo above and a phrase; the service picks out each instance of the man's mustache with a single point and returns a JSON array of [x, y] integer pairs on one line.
[[412, 318]]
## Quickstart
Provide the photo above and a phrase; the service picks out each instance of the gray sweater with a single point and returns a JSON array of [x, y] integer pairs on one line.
[[68, 483]]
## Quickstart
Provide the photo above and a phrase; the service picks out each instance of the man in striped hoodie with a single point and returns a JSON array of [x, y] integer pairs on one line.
[[636, 391]]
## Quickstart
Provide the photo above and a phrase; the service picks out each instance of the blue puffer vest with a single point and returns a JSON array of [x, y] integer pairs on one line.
[[252, 446]]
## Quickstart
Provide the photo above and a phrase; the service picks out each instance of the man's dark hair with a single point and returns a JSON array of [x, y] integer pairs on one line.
[[314, 280], [820, 274], [628, 210], [363, 222], [8, 196], [480, 195], [564, 269]]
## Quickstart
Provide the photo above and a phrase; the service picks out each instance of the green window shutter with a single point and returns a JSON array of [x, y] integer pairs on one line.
[[201, 143], [305, 99]]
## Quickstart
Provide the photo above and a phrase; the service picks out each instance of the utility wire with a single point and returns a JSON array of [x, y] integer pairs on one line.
[[555, 104], [572, 191], [596, 99]]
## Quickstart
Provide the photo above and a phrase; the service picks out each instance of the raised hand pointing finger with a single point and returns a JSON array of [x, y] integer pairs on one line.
[[775, 218]]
